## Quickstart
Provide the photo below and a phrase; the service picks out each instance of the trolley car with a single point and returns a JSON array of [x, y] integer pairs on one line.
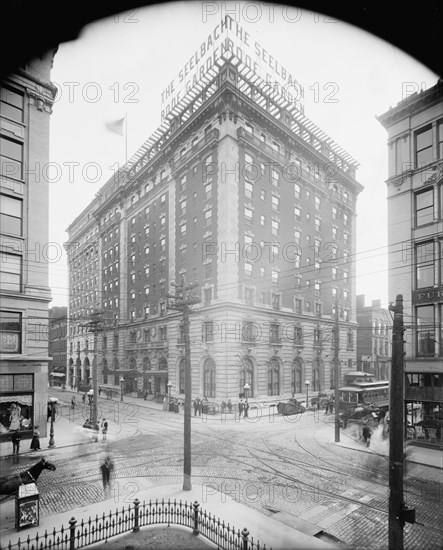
[[364, 401]]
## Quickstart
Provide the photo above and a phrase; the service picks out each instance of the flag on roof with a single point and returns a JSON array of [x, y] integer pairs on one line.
[[116, 126]]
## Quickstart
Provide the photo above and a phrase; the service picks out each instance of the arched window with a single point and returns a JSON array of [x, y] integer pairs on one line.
[[273, 377], [146, 364], [209, 378], [162, 363], [132, 363], [297, 376], [182, 376], [105, 371], [247, 376]]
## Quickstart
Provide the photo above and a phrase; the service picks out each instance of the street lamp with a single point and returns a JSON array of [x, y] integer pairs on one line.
[[307, 393], [246, 387], [51, 410], [122, 380]]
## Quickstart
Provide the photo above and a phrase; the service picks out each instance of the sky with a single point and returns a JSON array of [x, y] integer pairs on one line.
[[121, 65]]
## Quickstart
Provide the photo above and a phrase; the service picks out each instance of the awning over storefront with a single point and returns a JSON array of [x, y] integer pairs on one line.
[[423, 366]]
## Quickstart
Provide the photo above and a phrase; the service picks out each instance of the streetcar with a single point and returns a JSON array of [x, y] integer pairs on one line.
[[364, 402]]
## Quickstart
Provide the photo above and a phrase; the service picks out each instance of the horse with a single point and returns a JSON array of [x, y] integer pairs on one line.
[[9, 485]]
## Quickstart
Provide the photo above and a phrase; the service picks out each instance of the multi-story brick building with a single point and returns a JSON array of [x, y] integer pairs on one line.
[[58, 324], [373, 338], [241, 192], [415, 239], [27, 97]]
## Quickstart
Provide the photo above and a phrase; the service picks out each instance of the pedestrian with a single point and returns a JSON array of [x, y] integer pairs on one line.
[[367, 435], [200, 406], [195, 406], [35, 442], [84, 397], [104, 426], [245, 410], [73, 402], [240, 409], [229, 405], [16, 438], [145, 395], [107, 468], [99, 391]]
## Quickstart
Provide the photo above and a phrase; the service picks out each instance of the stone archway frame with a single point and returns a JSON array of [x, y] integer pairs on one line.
[[298, 357], [253, 360], [201, 371], [280, 371]]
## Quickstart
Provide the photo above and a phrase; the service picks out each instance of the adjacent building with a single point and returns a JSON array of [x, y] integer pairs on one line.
[[239, 191], [415, 239], [58, 324], [26, 102], [374, 339]]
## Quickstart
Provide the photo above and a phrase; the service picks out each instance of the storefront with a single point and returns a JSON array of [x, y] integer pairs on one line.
[[424, 407], [17, 406]]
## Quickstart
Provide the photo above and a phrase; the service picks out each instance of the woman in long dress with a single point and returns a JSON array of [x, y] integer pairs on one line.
[[14, 417], [35, 442]]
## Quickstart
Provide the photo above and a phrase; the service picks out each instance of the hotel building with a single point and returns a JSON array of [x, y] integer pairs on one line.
[[241, 192]]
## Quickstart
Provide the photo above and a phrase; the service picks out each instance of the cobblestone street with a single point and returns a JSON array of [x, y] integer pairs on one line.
[[276, 468]]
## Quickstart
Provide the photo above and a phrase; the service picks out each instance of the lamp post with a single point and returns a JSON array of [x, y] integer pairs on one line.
[[122, 381], [51, 409], [307, 393], [246, 387]]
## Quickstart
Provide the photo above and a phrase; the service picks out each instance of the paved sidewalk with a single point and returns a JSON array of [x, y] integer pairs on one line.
[[267, 530], [414, 453]]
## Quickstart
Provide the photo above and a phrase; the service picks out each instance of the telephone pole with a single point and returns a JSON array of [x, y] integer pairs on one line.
[[182, 300], [399, 513], [95, 326], [336, 374]]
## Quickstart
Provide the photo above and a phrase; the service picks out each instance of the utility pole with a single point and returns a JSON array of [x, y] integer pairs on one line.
[[95, 326], [182, 300], [336, 374], [398, 513]]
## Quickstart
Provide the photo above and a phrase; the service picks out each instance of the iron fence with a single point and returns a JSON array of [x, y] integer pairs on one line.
[[132, 518]]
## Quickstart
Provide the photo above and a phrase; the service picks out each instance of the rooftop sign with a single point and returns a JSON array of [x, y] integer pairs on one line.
[[229, 38]]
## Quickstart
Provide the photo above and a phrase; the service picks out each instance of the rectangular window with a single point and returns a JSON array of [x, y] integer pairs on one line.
[[249, 188], [207, 295], [11, 158], [248, 270], [317, 203], [423, 146], [262, 219], [208, 191], [11, 215], [424, 207], [11, 105], [208, 331], [248, 214], [10, 332], [298, 305], [208, 217], [425, 331], [274, 336], [297, 190], [274, 177], [440, 139], [424, 254], [276, 301], [275, 227], [10, 272], [275, 202], [297, 213], [274, 275]]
